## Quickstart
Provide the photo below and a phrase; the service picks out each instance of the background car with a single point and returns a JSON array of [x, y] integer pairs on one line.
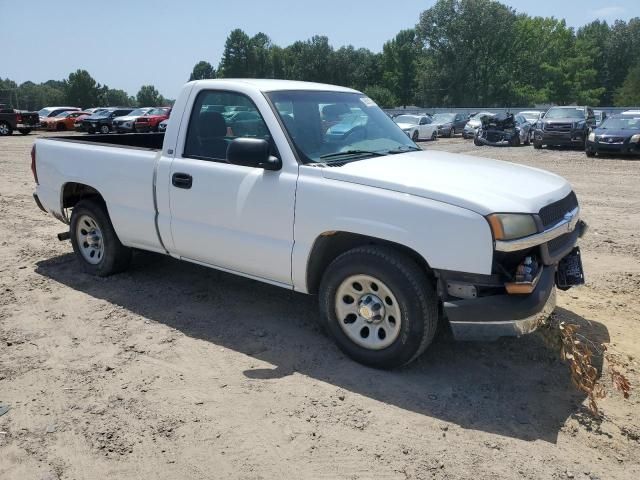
[[474, 123], [63, 121], [150, 121], [126, 123], [12, 119], [532, 116], [103, 121], [564, 126], [618, 134], [449, 123], [48, 112], [503, 129], [417, 126]]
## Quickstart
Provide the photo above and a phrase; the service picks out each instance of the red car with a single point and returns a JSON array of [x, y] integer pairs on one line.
[[150, 121]]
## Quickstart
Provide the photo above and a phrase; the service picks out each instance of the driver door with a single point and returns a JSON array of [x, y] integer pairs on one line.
[[232, 217]]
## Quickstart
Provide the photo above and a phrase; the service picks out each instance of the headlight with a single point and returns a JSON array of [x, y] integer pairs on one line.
[[635, 138], [508, 226], [592, 137]]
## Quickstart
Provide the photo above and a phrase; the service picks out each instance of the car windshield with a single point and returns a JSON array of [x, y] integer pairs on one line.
[[555, 113], [309, 115], [619, 123], [44, 112], [63, 114], [104, 113], [530, 115], [157, 111], [443, 117], [412, 119]]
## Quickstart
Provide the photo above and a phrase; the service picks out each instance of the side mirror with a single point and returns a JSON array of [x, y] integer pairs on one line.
[[252, 152]]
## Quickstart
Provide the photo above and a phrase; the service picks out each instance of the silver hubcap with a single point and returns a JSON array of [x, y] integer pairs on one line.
[[89, 239], [368, 312], [4, 130]]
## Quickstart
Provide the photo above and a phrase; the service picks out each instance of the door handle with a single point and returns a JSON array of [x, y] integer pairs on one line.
[[182, 180]]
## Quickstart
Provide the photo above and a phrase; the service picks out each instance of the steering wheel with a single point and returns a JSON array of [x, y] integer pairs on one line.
[[354, 131]]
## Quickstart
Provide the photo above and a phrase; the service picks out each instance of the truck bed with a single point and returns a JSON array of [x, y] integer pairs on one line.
[[146, 141]]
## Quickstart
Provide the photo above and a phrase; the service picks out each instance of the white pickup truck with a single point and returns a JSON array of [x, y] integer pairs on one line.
[[314, 188]]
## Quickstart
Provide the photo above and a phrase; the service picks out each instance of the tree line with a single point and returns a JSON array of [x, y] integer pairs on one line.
[[461, 53], [79, 89]]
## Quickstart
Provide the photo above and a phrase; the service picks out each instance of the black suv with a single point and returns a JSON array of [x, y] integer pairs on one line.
[[103, 121], [564, 126]]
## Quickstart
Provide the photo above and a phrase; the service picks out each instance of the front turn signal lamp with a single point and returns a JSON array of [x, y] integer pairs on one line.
[[509, 226]]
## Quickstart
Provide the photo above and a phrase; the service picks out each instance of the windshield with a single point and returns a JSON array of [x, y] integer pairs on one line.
[[565, 113], [443, 117], [63, 114], [407, 119], [104, 113], [44, 112], [530, 115], [619, 123], [309, 115]]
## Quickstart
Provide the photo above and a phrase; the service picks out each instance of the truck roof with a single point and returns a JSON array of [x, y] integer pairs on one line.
[[271, 85]]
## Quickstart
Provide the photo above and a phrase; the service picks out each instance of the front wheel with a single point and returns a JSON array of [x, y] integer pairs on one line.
[[380, 307], [414, 136], [104, 129], [590, 153], [25, 131], [95, 241], [537, 145], [5, 129], [434, 135]]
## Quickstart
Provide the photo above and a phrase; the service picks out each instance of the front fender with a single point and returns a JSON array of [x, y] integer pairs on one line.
[[446, 236]]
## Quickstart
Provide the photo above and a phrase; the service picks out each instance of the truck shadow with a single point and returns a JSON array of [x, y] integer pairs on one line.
[[512, 387]]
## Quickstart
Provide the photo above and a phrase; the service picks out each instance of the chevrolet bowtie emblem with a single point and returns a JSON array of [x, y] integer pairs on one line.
[[568, 217]]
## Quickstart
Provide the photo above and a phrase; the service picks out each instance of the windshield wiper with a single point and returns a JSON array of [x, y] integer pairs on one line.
[[404, 149], [348, 153]]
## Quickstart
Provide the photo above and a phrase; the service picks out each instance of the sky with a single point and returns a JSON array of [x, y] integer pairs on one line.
[[126, 43]]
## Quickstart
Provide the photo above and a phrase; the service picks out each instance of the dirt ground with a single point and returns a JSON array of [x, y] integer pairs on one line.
[[174, 371]]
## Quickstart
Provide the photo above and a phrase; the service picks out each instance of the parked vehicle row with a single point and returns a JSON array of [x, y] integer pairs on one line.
[[618, 134], [11, 119]]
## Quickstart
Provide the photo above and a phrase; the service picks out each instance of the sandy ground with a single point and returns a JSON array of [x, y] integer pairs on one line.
[[174, 371]]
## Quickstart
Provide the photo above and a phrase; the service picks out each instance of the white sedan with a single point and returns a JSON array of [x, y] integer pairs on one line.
[[418, 127]]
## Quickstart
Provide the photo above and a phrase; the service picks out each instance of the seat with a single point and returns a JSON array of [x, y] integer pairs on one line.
[[209, 138]]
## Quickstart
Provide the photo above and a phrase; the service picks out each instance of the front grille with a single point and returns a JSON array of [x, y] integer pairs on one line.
[[558, 127], [554, 212], [610, 139]]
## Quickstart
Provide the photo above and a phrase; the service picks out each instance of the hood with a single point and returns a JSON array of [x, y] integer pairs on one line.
[[479, 184], [127, 118], [615, 132], [474, 123], [404, 126]]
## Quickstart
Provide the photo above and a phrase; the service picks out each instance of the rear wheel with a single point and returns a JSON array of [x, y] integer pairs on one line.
[[25, 131], [590, 153], [104, 129], [414, 136], [5, 129], [434, 135], [61, 127], [95, 242], [537, 145], [380, 307], [515, 141]]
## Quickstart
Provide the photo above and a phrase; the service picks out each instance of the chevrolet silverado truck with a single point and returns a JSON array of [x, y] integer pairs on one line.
[[395, 241], [11, 119]]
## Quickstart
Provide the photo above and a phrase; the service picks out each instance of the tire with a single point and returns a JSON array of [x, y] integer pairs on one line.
[[537, 145], [515, 141], [590, 153], [104, 129], [452, 132], [414, 136], [110, 256], [527, 142], [408, 293], [477, 142], [25, 131], [61, 127], [434, 136], [5, 129], [91, 130]]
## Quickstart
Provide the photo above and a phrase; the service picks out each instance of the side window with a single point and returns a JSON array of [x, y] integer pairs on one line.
[[217, 118]]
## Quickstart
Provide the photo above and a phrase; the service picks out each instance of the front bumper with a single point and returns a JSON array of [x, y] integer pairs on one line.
[[573, 137], [492, 317], [624, 148]]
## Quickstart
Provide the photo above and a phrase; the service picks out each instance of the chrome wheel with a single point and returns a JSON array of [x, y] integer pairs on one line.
[[368, 312], [4, 129], [89, 237]]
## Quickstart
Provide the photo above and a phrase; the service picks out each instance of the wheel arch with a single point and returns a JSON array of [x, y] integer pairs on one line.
[[73, 192], [329, 245]]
